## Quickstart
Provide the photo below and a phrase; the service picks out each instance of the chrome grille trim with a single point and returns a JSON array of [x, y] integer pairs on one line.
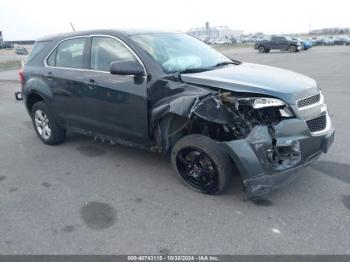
[[309, 101], [317, 124]]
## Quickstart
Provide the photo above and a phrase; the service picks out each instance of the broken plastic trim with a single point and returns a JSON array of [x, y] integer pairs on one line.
[[235, 117]]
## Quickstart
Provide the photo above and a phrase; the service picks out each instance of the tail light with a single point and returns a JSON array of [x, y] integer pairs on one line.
[[21, 78]]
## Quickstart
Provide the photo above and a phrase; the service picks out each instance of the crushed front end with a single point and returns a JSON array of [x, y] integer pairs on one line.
[[268, 140]]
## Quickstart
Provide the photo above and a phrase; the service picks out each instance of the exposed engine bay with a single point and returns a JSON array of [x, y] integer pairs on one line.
[[224, 117]]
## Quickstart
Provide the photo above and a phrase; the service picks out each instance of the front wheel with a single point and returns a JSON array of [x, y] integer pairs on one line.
[[201, 164], [292, 49], [45, 125]]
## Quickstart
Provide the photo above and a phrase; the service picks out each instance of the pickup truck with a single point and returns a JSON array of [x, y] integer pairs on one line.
[[283, 43]]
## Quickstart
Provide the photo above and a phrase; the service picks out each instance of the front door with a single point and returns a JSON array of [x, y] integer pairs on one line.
[[116, 104]]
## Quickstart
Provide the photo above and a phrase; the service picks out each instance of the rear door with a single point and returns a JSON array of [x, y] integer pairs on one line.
[[67, 77], [278, 42], [116, 104], [283, 43], [274, 43]]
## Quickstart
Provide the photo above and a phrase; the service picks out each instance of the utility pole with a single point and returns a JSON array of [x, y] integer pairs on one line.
[[309, 28], [71, 24]]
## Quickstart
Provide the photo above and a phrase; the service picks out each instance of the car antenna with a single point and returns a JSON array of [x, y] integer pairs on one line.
[[71, 24]]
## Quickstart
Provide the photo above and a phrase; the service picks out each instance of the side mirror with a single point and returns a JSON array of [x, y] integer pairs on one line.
[[126, 68]]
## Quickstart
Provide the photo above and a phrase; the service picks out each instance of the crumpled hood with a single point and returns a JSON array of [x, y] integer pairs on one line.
[[253, 78]]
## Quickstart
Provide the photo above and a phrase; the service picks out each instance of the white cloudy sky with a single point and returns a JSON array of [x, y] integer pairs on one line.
[[29, 19]]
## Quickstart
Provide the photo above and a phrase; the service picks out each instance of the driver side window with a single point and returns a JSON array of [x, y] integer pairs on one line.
[[105, 50]]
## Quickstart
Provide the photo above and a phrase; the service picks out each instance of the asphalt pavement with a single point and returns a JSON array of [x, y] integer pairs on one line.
[[87, 197]]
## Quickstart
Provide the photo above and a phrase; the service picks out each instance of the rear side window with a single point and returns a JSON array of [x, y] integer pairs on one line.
[[105, 50], [51, 61], [37, 48], [277, 39], [69, 53]]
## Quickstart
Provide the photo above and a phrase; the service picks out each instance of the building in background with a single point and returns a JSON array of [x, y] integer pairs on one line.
[[11, 44], [335, 30], [214, 33], [1, 40]]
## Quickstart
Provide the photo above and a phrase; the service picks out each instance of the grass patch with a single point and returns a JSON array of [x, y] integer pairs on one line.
[[8, 65]]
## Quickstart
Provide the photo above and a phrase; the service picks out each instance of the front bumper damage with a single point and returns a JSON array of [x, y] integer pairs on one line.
[[251, 155], [267, 147]]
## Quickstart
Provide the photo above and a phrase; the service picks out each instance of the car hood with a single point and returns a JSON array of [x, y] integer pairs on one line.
[[256, 79]]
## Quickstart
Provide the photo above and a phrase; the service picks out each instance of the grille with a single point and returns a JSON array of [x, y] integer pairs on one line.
[[317, 124], [309, 100]]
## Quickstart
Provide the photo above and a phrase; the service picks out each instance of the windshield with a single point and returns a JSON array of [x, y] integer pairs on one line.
[[179, 52]]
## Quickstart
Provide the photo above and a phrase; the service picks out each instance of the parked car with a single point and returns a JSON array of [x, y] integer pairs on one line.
[[171, 93], [21, 51], [222, 42], [306, 44], [283, 43], [342, 40], [327, 40], [331, 40], [234, 40], [315, 40]]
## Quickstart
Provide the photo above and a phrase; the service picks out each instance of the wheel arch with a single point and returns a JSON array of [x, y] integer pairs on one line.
[[36, 89], [32, 98], [170, 129]]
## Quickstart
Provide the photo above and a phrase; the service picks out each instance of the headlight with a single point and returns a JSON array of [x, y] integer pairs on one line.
[[261, 102]]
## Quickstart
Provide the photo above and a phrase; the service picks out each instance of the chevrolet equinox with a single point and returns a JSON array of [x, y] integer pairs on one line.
[[170, 93]]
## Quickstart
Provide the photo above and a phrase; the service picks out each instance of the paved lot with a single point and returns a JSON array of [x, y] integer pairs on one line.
[[85, 197]]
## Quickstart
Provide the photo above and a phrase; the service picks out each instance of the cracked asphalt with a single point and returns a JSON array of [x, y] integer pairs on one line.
[[86, 197]]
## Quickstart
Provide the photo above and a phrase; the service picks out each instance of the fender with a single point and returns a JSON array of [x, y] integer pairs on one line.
[[38, 86]]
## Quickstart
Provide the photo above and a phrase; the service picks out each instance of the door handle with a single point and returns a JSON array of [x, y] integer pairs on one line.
[[48, 75], [91, 84]]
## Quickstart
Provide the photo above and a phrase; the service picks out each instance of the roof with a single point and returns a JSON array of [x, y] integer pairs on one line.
[[106, 31]]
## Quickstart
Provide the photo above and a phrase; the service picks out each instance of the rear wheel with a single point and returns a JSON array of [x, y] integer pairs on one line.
[[201, 164], [45, 125], [261, 49]]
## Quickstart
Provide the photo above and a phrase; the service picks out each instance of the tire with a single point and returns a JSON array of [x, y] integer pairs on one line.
[[45, 125], [201, 164], [292, 49], [261, 49]]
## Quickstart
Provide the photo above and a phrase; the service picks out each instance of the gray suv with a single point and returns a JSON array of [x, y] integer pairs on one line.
[[170, 93]]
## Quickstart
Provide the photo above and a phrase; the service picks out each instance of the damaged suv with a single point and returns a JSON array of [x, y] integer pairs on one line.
[[168, 92]]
